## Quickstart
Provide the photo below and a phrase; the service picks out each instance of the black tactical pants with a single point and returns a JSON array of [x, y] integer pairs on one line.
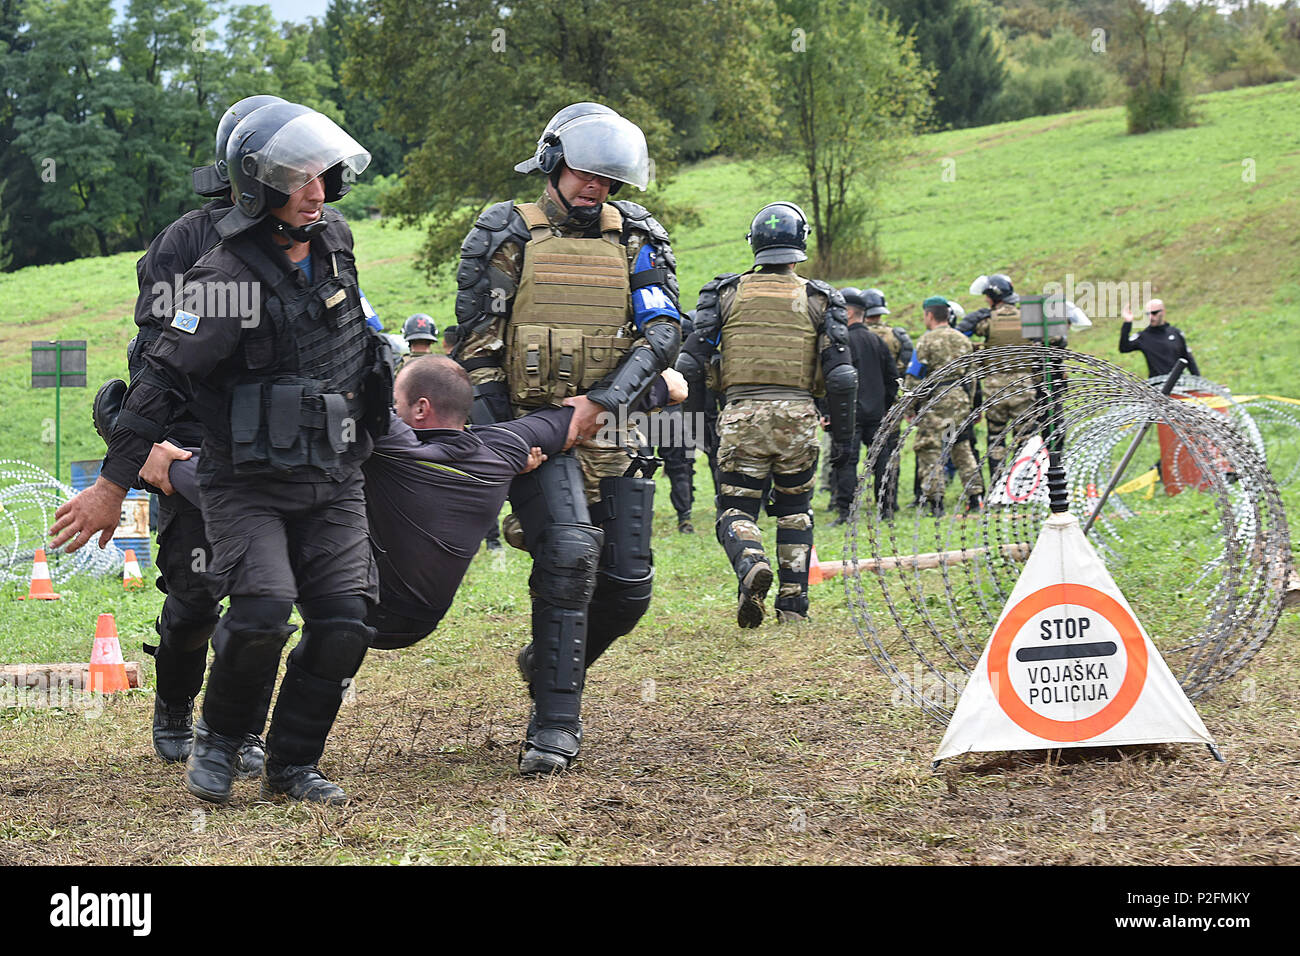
[[192, 606], [276, 542], [844, 478], [679, 466]]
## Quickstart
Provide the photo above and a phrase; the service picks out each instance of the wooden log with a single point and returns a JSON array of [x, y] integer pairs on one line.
[[924, 561], [1291, 596], [54, 675]]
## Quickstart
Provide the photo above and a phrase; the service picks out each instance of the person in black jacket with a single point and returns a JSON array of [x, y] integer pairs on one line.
[[1160, 343], [271, 349], [877, 389]]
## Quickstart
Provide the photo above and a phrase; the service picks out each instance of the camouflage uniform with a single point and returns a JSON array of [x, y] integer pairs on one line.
[[943, 419], [768, 430], [892, 342]]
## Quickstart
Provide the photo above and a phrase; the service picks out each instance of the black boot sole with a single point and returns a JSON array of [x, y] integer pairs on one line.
[[754, 590]]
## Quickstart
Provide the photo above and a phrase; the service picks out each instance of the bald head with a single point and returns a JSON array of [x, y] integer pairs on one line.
[[433, 391]]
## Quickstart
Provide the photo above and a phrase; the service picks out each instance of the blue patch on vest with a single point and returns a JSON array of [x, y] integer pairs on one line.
[[185, 321]]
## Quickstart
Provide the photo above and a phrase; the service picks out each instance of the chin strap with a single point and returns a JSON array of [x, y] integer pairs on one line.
[[583, 217], [298, 233]]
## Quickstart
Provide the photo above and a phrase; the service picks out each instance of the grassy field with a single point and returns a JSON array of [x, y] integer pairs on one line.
[[706, 743]]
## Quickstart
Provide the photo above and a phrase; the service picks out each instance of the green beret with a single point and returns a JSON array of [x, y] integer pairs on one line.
[[933, 301]]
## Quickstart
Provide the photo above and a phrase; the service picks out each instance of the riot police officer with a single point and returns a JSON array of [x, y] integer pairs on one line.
[[289, 389], [191, 607], [782, 340], [572, 300]]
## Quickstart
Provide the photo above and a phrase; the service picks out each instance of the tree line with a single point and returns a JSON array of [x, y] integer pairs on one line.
[[104, 113]]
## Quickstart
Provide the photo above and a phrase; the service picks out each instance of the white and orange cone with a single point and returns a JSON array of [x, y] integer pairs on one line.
[[131, 576], [107, 669], [42, 588]]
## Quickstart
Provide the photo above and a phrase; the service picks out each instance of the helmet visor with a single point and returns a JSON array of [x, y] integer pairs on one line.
[[302, 149], [979, 285], [607, 145]]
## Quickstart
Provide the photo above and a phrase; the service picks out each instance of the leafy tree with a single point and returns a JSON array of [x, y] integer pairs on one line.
[[846, 119], [956, 40], [1154, 60], [470, 84]]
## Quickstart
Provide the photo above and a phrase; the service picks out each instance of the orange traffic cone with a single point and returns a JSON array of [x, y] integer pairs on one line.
[[42, 588], [131, 576], [107, 669], [815, 575]]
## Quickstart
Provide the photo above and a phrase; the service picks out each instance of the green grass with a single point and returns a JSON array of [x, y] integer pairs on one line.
[[704, 738]]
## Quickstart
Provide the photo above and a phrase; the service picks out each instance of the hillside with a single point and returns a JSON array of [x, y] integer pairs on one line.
[[1209, 216]]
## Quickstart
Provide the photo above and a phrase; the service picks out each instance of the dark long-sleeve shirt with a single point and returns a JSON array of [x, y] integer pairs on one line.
[[877, 375], [431, 496], [1161, 345]]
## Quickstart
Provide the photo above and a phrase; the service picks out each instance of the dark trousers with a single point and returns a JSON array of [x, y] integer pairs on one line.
[[844, 478]]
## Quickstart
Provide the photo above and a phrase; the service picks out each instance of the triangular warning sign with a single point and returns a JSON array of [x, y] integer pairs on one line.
[[1068, 664]]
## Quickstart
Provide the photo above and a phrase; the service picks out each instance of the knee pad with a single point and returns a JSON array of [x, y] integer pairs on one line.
[[351, 607], [332, 649], [749, 504], [565, 560], [786, 502], [257, 613], [626, 512], [240, 648], [184, 627], [616, 607]]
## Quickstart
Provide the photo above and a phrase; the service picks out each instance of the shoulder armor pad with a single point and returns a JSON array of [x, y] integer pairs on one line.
[[495, 217], [823, 287], [637, 215], [718, 283], [337, 233]]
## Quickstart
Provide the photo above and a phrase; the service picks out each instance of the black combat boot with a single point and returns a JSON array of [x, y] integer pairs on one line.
[[547, 751], [304, 714], [173, 729], [755, 576], [252, 757], [211, 767]]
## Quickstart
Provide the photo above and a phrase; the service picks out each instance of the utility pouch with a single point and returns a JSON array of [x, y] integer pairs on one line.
[[246, 426], [603, 355], [284, 425], [567, 361], [528, 364]]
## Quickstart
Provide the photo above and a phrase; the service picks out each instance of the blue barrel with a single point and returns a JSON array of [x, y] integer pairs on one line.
[[133, 530]]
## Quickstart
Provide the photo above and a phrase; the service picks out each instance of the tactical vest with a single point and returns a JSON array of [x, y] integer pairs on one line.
[[767, 336], [1004, 326], [886, 335], [567, 325], [310, 375]]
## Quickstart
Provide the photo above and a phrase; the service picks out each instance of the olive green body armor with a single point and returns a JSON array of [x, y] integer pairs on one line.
[[768, 337], [1004, 326], [568, 326]]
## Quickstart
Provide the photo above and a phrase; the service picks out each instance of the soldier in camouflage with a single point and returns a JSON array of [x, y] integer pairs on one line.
[[1009, 393], [573, 300], [781, 340], [942, 421]]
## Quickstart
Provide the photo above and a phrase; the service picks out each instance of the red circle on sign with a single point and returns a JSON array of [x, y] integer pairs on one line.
[[1130, 689], [1038, 478]]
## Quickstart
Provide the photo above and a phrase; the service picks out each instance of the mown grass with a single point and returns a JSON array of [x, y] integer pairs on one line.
[[704, 742]]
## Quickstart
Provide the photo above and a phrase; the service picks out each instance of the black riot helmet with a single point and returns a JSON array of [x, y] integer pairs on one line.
[[592, 138], [853, 296], [214, 181], [997, 287], [779, 234], [419, 327], [277, 150], [875, 300]]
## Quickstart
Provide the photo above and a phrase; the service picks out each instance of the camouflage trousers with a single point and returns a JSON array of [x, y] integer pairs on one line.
[[999, 413], [935, 429], [766, 443]]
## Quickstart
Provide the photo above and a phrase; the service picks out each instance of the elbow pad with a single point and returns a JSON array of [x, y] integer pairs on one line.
[[640, 367], [491, 404], [842, 401]]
